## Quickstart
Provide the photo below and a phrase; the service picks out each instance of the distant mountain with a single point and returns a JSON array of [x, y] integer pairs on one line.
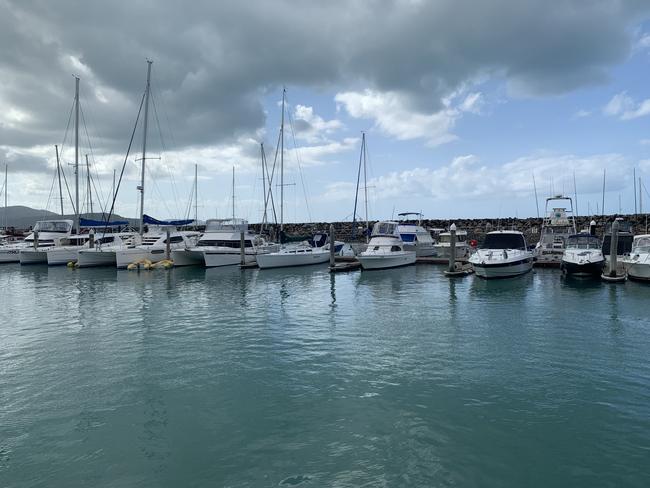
[[21, 217]]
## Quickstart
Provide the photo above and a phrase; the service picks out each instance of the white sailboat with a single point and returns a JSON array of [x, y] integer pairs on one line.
[[105, 247], [504, 254], [154, 245], [301, 254], [386, 248]]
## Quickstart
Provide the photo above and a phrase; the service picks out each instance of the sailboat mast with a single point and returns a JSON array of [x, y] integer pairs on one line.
[[575, 192], [58, 171], [233, 193], [6, 170], [284, 90], [113, 192], [264, 216], [602, 207], [144, 144], [196, 194], [365, 181], [76, 154], [536, 199], [634, 181]]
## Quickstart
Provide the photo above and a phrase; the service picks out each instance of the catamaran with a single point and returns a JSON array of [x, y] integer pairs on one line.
[[504, 254], [105, 247], [45, 235]]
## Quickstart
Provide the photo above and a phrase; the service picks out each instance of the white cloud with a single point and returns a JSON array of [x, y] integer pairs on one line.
[[580, 114], [311, 127], [466, 177], [625, 108], [394, 117]]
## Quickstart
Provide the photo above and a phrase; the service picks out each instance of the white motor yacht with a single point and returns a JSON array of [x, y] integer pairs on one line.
[[415, 237], [443, 245], [299, 254], [220, 245], [504, 254], [582, 256], [51, 233], [386, 248], [637, 264], [154, 246], [557, 226], [104, 246]]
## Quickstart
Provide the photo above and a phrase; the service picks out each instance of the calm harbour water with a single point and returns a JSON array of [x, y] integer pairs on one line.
[[194, 377]]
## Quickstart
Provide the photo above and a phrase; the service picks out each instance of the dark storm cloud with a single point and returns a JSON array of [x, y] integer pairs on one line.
[[214, 60]]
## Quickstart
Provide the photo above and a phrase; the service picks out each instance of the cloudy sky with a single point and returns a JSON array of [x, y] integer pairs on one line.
[[462, 102]]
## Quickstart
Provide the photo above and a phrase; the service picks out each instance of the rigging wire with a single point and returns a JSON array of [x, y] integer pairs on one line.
[[100, 193], [164, 148], [126, 159], [297, 153]]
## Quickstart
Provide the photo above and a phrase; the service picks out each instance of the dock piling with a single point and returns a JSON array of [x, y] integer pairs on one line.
[[452, 248], [35, 240], [332, 250], [242, 250], [91, 239], [168, 251]]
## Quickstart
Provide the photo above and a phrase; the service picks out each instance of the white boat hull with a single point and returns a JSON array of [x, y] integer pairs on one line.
[[187, 257], [444, 252], [637, 270], [501, 263], [88, 258], [215, 259], [283, 260], [62, 255], [389, 260], [32, 256], [125, 257], [10, 255], [421, 250]]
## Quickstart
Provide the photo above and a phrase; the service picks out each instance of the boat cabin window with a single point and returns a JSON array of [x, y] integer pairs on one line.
[[222, 243], [408, 237], [105, 240], [174, 239], [504, 241], [583, 242], [376, 248], [395, 249], [53, 226]]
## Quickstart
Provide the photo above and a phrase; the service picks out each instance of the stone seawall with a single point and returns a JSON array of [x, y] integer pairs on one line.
[[476, 228]]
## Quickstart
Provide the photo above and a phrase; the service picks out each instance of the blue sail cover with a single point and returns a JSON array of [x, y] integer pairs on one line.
[[101, 223], [151, 221]]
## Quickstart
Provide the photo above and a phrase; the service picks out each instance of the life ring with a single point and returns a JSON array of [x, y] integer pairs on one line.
[[473, 243]]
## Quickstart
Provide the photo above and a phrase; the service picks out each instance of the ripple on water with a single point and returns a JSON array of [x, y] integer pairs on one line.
[[298, 377]]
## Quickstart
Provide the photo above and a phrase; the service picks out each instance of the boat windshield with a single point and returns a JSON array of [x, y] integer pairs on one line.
[[583, 242], [53, 226], [504, 241], [408, 237], [384, 228], [641, 244]]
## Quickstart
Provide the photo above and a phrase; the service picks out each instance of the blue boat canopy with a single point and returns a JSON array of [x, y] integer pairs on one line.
[[151, 221], [101, 223]]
